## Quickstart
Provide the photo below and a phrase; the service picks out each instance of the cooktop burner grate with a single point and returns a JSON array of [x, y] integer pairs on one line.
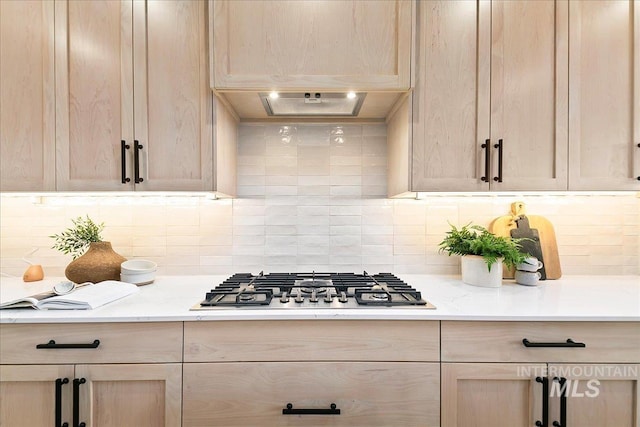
[[312, 290]]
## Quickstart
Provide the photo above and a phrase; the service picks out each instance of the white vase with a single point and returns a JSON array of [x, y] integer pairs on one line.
[[476, 272]]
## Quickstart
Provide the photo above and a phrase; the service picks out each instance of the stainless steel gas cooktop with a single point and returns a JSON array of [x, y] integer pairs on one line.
[[312, 290]]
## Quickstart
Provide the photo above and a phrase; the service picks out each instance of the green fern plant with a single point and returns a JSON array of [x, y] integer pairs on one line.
[[75, 240], [477, 240]]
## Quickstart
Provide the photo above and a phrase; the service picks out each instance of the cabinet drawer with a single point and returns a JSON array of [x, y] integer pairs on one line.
[[119, 343], [299, 340], [366, 393], [503, 341]]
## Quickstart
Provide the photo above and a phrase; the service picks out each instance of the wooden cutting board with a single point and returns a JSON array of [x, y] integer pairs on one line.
[[503, 225]]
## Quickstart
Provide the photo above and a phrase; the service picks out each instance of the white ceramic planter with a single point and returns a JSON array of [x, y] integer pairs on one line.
[[475, 272]]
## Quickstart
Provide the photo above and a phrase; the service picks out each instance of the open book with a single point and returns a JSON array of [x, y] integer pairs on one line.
[[83, 298]]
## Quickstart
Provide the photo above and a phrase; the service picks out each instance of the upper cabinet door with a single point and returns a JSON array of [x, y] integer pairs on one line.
[[529, 63], [290, 44], [451, 98], [134, 106], [94, 93], [604, 106], [27, 115], [173, 100], [490, 104]]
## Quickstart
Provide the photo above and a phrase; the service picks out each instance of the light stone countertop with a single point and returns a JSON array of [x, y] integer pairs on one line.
[[169, 298]]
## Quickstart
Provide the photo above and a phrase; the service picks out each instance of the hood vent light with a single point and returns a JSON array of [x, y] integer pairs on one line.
[[313, 104]]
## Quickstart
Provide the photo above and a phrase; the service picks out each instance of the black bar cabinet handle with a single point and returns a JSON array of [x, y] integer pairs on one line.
[[568, 343], [563, 403], [290, 411], [638, 178], [52, 344], [76, 401], [487, 159], [545, 401], [499, 147], [136, 162], [123, 155], [59, 383]]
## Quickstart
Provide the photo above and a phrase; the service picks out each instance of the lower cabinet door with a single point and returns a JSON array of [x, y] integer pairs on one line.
[[595, 395], [492, 394], [364, 394], [135, 395], [28, 395]]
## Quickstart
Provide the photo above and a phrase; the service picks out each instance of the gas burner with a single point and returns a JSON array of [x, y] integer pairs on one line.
[[312, 290], [379, 297]]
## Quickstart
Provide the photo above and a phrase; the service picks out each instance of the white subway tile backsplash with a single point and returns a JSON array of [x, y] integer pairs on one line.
[[244, 164], [258, 168], [343, 260], [345, 240], [312, 211], [281, 190], [277, 162], [346, 190], [281, 180], [345, 170], [251, 190], [251, 180], [312, 229], [248, 230], [345, 220], [377, 250], [352, 180], [343, 160], [352, 146], [345, 230], [216, 251], [313, 169], [312, 197], [313, 250], [313, 190], [215, 260]]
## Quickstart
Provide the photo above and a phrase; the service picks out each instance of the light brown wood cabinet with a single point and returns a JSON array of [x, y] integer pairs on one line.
[[489, 376], [527, 95], [604, 90], [28, 395], [133, 105], [491, 394], [128, 361], [596, 395], [294, 45], [27, 114], [489, 109], [377, 373]]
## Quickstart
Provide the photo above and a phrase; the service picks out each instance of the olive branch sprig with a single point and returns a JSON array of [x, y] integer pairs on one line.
[[76, 240]]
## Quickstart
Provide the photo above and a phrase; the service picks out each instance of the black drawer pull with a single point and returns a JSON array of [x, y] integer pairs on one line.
[[52, 344], [568, 343], [499, 147], [123, 158], [136, 162], [545, 401], [563, 403], [290, 411], [58, 415], [487, 160], [76, 402]]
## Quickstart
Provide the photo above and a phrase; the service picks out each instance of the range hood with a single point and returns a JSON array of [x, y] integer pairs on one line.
[[330, 104], [310, 105]]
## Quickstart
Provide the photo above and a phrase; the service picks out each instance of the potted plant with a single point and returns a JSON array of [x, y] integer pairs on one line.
[[93, 260], [483, 253]]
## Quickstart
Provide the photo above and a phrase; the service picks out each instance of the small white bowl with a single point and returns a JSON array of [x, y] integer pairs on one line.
[[138, 271]]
